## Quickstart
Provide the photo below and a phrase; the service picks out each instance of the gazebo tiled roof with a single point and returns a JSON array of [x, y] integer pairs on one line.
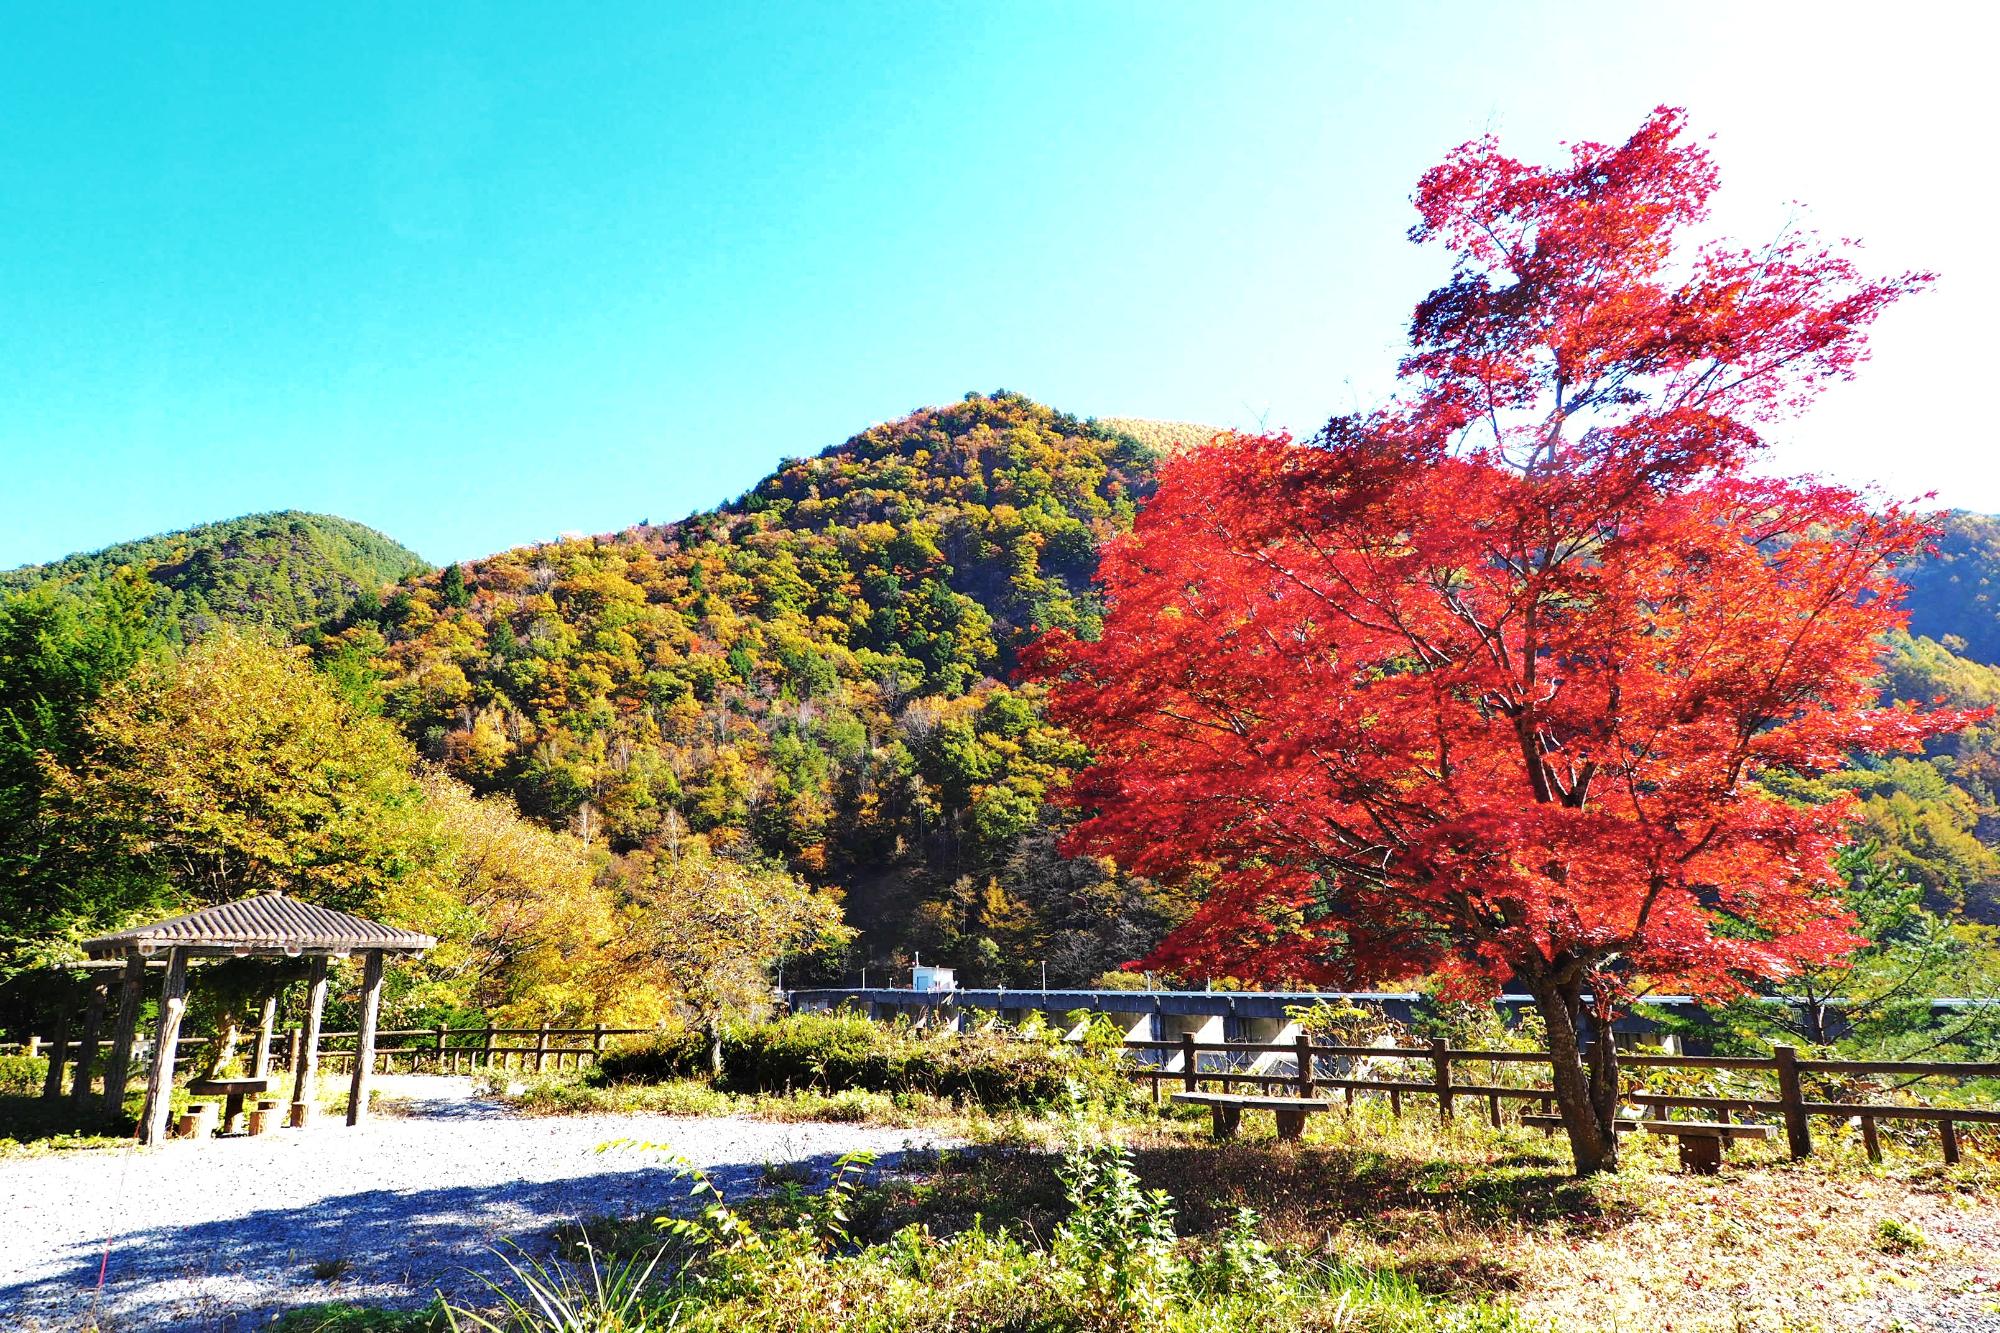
[[267, 924]]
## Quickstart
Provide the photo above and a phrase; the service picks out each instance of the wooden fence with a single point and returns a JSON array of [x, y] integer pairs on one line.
[[446, 1050], [458, 1050], [1784, 1069]]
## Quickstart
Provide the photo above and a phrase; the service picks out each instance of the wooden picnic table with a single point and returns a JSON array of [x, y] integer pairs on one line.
[[233, 1091]]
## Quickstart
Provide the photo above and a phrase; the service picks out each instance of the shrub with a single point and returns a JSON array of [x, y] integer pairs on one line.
[[1895, 1236], [22, 1075], [835, 1053]]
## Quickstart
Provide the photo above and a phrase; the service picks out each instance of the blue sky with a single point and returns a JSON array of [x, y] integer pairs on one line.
[[480, 274]]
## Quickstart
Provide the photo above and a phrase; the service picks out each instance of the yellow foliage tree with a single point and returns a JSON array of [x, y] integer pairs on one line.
[[710, 928]]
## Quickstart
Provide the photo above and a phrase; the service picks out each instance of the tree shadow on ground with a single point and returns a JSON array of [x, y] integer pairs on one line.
[[392, 1247]]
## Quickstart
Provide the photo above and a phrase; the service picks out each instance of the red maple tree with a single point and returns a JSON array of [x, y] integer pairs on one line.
[[1480, 685]]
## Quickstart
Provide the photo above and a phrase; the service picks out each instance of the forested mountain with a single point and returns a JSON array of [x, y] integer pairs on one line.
[[280, 571], [1955, 590], [821, 667], [822, 670]]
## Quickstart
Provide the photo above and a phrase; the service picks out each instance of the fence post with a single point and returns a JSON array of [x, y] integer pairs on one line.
[[1305, 1064], [440, 1048], [541, 1047], [1442, 1077], [597, 1043], [34, 1046], [1948, 1139], [486, 1049], [1871, 1140], [1187, 1060], [58, 1057], [1797, 1135]]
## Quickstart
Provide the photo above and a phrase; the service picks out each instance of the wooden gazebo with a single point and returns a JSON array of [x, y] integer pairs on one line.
[[270, 926]]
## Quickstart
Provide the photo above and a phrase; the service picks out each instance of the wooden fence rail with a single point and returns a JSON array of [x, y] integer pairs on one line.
[[1790, 1106], [449, 1050]]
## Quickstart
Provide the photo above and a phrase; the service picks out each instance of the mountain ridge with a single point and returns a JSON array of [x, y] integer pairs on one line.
[[282, 569], [821, 670]]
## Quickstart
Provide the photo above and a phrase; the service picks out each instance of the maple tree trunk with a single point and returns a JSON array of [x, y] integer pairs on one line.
[[1586, 1092]]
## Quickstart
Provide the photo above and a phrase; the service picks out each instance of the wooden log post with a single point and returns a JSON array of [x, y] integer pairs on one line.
[[1396, 1102], [58, 1054], [596, 1043], [1948, 1140], [118, 1068], [86, 1050], [1493, 1108], [440, 1047], [260, 1063], [541, 1047], [305, 1070], [1305, 1062], [486, 1049], [1871, 1140], [166, 1041], [293, 1040], [364, 1040], [1441, 1077], [1797, 1135], [1187, 1061]]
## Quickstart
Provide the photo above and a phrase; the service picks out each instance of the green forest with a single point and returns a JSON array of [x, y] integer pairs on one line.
[[816, 679]]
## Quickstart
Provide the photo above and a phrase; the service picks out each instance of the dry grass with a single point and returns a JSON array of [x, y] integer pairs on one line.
[[1769, 1246]]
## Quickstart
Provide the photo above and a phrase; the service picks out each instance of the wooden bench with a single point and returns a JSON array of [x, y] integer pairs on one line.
[[1700, 1141], [1226, 1110], [198, 1121]]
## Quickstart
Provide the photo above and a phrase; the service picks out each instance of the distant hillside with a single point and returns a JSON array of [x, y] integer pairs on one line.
[[1162, 438], [821, 667], [1955, 590], [283, 570]]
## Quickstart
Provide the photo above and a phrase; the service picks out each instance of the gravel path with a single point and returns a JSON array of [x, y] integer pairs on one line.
[[219, 1235]]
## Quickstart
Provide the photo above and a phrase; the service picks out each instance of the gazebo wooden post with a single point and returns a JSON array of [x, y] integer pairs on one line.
[[160, 1081], [306, 1071], [364, 1041], [86, 1050], [118, 1071], [260, 1064]]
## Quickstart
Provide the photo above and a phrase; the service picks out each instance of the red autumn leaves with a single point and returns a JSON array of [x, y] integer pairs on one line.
[[1481, 683]]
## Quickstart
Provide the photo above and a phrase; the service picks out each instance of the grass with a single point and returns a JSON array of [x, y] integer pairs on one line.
[[1374, 1222], [344, 1317], [1403, 1220], [1090, 1249], [570, 1094]]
